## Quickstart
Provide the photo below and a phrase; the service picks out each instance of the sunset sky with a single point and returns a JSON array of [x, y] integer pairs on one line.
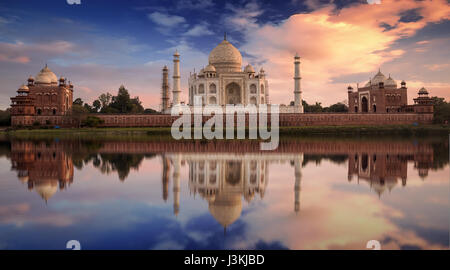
[[100, 45]]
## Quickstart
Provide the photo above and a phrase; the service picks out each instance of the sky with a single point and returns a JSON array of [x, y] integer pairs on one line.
[[100, 45]]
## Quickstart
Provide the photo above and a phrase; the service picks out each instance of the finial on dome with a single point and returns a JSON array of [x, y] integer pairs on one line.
[[224, 35]]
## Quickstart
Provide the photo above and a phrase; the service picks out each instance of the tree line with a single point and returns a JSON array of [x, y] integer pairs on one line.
[[108, 103], [317, 107]]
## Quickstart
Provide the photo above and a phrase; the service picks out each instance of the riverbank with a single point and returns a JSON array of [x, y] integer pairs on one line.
[[397, 130]]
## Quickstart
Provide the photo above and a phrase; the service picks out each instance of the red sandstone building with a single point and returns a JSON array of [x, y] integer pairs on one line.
[[45, 96], [381, 95]]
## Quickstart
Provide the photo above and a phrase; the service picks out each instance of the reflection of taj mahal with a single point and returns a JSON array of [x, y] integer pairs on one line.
[[225, 179]]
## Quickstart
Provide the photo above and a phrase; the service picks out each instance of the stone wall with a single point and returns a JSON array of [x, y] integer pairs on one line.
[[285, 119]]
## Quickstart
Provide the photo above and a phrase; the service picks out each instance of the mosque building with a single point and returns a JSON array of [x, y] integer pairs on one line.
[[44, 95], [381, 94]]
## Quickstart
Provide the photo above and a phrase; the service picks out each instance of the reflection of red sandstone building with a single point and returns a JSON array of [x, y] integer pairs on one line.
[[383, 170], [381, 95], [44, 95], [43, 167]]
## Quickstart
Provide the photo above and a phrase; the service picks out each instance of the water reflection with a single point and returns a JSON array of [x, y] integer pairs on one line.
[[227, 176], [44, 167]]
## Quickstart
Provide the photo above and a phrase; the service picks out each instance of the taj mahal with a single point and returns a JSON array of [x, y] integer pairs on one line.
[[223, 81]]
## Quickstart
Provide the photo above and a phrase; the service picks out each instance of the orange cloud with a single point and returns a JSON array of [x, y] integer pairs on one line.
[[334, 44], [14, 59]]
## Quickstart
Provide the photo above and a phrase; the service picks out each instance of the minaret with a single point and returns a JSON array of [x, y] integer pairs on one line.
[[297, 90], [165, 89], [176, 78], [298, 176], [176, 184]]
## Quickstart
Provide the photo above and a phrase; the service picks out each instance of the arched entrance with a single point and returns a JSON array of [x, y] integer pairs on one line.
[[233, 94], [233, 172], [364, 105]]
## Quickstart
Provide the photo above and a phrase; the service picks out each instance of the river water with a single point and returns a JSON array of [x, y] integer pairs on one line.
[[311, 193]]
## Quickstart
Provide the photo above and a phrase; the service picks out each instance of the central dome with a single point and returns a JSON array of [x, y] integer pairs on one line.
[[46, 76], [226, 208], [226, 58]]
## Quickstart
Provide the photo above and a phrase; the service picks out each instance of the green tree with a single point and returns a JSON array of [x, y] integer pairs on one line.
[[441, 111], [5, 117], [105, 100], [96, 105], [88, 107], [78, 101], [78, 113], [338, 107], [122, 101], [92, 121], [150, 111], [312, 108]]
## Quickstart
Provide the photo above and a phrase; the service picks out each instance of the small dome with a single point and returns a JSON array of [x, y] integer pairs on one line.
[[23, 88], [262, 70], [225, 57], [209, 68], [423, 91], [61, 79], [30, 79], [390, 82], [46, 190], [46, 76], [379, 77], [249, 69]]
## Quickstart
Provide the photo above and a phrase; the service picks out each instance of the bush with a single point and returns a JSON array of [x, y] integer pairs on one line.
[[441, 111], [5, 118], [92, 121]]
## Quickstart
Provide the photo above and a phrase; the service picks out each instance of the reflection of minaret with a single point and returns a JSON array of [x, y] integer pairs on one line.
[[165, 177], [298, 175], [176, 184]]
